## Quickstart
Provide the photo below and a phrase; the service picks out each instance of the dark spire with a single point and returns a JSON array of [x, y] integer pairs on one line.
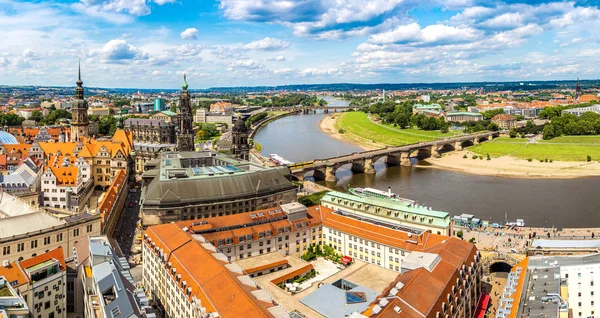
[[577, 89], [79, 88]]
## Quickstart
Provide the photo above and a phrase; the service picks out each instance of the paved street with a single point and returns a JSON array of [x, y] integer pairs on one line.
[[127, 230]]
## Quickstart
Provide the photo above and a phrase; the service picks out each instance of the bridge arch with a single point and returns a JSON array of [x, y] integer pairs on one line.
[[424, 153], [482, 139], [467, 143], [445, 148]]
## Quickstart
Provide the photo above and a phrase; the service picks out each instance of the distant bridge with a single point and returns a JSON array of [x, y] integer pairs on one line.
[[363, 162], [312, 109]]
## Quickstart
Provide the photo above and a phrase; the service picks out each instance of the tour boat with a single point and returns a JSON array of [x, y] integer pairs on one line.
[[275, 158]]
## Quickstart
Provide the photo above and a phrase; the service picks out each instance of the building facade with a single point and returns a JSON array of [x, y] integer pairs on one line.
[[150, 131], [404, 213], [450, 267], [460, 117], [44, 232], [191, 185], [66, 185], [505, 122], [42, 282]]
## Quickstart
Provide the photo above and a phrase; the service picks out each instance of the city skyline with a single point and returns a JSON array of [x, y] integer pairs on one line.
[[150, 43]]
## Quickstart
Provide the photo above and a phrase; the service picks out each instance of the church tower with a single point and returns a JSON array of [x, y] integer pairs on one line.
[[79, 110], [577, 90], [239, 140], [185, 135]]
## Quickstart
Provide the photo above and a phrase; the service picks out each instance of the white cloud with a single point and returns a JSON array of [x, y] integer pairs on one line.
[[278, 58], [413, 34], [267, 44], [249, 64], [118, 50], [189, 34]]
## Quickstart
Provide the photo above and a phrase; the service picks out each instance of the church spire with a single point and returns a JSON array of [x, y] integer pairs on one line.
[[79, 88], [577, 89]]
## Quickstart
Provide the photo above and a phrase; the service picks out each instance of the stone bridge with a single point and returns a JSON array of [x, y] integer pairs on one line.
[[364, 162], [312, 109], [488, 259]]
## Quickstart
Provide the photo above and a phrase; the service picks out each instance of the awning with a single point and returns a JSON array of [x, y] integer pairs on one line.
[[484, 300], [346, 260]]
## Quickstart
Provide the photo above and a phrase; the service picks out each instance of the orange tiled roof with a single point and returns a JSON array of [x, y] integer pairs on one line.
[[587, 98], [266, 266], [218, 288], [56, 254], [65, 175], [108, 201], [14, 274]]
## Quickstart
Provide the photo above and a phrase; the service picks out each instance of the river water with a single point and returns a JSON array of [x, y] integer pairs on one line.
[[543, 202]]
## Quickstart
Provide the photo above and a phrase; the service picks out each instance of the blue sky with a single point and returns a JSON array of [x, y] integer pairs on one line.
[[150, 43]]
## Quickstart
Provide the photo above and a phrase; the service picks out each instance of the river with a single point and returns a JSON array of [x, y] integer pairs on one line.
[[543, 202]]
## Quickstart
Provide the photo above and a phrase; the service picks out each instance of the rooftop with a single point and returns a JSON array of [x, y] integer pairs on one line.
[[333, 302], [440, 218]]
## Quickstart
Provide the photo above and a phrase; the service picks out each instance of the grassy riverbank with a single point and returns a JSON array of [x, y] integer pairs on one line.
[[567, 148], [359, 125]]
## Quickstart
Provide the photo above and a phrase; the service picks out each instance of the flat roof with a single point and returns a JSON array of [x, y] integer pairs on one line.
[[259, 261], [390, 204], [542, 282], [566, 243], [330, 301], [558, 261]]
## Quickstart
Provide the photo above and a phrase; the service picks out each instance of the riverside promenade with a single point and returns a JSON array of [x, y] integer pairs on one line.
[[516, 240]]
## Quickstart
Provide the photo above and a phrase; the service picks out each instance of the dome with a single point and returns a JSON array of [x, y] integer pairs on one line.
[[7, 138]]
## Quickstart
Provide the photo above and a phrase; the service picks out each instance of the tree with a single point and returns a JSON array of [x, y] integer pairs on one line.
[[489, 114], [530, 127], [445, 127], [459, 234], [36, 115], [107, 126], [548, 132], [493, 127]]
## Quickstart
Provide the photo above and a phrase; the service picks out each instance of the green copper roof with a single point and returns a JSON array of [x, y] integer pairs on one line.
[[169, 113], [429, 106], [185, 84], [440, 218]]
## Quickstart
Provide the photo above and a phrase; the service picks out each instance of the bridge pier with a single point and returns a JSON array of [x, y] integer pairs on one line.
[[458, 146], [319, 174], [405, 159], [368, 166], [330, 174], [476, 141], [435, 152], [326, 111]]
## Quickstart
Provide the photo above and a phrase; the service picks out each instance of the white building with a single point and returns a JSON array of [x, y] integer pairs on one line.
[[104, 282], [11, 303], [67, 183], [581, 275], [41, 281], [425, 98]]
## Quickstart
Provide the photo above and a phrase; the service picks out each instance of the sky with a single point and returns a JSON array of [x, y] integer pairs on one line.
[[151, 43]]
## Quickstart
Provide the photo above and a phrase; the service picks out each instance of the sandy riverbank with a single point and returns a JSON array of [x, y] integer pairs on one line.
[[504, 166], [327, 125], [507, 166]]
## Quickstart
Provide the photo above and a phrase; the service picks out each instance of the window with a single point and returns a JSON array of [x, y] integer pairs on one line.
[[59, 237], [6, 250], [46, 240], [21, 248], [89, 228], [76, 232], [34, 244]]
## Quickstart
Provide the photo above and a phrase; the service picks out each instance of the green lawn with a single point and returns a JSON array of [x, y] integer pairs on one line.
[[569, 148], [574, 139], [358, 124]]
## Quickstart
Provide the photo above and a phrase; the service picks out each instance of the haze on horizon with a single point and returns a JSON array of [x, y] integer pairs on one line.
[[150, 43]]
